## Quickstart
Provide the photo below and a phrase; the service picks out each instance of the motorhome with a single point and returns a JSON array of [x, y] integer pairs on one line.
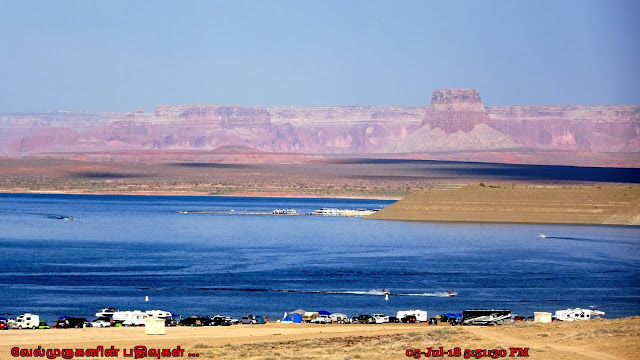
[[578, 314], [421, 315], [27, 321], [129, 318], [486, 317]]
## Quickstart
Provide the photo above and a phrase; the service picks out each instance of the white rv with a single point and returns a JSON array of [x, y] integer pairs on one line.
[[130, 318], [421, 315], [577, 314], [27, 321]]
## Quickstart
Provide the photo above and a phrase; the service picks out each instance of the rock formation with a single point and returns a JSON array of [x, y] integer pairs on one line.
[[456, 120]]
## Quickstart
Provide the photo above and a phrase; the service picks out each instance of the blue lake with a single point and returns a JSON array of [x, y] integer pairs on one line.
[[120, 249]]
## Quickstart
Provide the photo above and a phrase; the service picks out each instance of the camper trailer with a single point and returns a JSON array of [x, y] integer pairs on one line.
[[486, 317], [578, 314], [421, 315], [27, 321], [309, 315], [129, 318]]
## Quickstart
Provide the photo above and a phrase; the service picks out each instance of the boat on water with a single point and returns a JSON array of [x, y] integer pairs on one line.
[[284, 212], [61, 217], [542, 236], [328, 212], [342, 212], [451, 293]]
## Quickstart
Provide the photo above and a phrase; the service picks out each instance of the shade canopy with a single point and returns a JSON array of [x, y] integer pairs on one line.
[[324, 312], [298, 312]]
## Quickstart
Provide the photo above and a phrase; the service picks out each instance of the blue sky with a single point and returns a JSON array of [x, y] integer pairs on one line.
[[122, 55]]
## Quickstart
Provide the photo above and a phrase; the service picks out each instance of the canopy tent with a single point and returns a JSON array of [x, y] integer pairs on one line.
[[453, 316], [324, 312], [3, 319], [297, 312]]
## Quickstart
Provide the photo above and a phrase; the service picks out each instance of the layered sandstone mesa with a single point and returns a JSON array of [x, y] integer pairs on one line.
[[217, 116], [576, 127], [342, 129], [454, 110]]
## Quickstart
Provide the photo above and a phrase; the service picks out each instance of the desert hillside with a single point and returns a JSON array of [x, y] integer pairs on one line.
[[616, 205]]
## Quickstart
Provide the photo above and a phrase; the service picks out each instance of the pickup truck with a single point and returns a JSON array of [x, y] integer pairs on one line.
[[321, 319]]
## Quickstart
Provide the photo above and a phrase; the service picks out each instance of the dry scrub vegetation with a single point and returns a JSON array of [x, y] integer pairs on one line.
[[598, 339]]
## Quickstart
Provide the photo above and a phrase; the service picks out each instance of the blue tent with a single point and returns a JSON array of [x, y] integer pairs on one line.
[[3, 319], [453, 316], [324, 312], [297, 319], [63, 317]]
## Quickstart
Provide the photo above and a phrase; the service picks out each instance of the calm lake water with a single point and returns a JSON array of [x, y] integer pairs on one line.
[[120, 249]]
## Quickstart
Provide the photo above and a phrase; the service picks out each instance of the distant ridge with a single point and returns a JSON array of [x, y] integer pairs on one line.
[[455, 121]]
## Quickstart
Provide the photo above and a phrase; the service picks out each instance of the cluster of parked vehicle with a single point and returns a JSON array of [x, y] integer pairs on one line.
[[108, 317]]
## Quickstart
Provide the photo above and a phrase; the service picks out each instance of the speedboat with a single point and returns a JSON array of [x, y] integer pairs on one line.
[[542, 236], [451, 293], [106, 312]]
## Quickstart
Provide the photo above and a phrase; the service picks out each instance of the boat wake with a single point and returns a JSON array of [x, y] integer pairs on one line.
[[590, 240], [370, 292]]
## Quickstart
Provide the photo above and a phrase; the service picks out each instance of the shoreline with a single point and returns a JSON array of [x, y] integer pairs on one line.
[[195, 193]]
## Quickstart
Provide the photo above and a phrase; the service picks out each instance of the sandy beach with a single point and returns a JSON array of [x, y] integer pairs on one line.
[[511, 203], [596, 339]]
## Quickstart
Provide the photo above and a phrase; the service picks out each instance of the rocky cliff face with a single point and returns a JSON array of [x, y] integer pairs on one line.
[[456, 120], [454, 110], [458, 113]]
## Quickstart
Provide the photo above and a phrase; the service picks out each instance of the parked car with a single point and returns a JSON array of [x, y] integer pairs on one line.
[[43, 325], [248, 320], [321, 319], [4, 324], [409, 319], [71, 322], [171, 321], [380, 318], [220, 320], [365, 319], [518, 318], [195, 321], [393, 319], [232, 321], [101, 322]]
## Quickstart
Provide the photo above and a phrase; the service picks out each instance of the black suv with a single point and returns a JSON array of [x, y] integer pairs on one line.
[[72, 323], [195, 321]]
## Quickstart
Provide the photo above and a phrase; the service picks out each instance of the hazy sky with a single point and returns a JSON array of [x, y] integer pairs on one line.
[[121, 55]]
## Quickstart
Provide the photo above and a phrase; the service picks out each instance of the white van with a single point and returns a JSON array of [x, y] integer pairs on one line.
[[130, 318], [27, 321]]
